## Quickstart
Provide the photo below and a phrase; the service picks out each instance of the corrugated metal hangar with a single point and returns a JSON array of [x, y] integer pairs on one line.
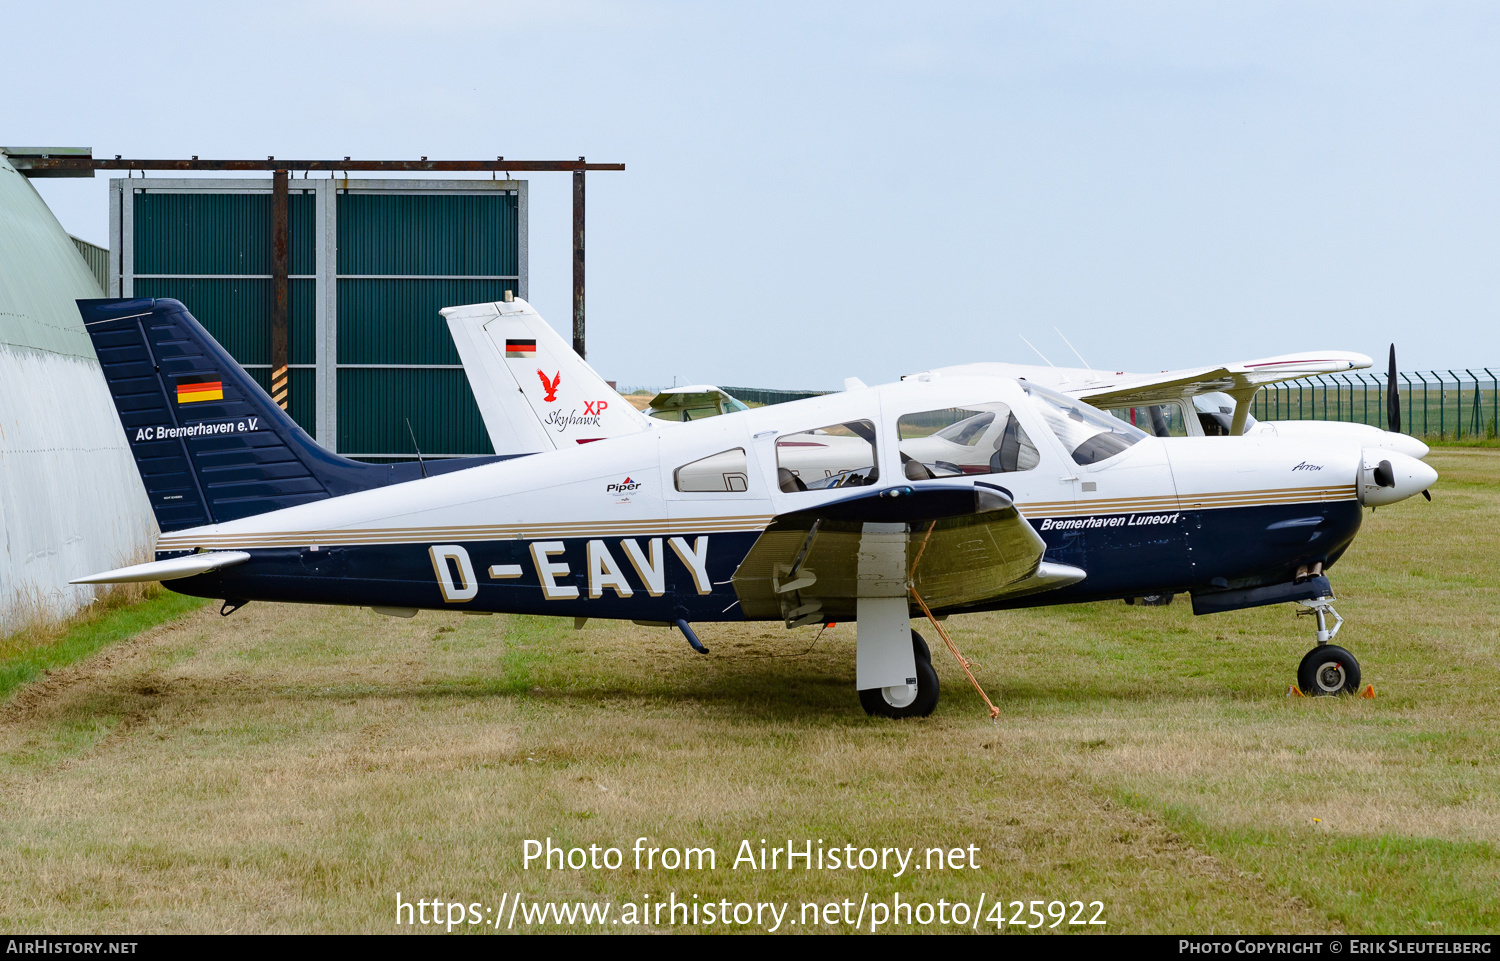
[[370, 264], [70, 502]]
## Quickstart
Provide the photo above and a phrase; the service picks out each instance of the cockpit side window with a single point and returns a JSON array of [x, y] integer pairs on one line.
[[724, 471], [840, 455], [981, 439], [1089, 434]]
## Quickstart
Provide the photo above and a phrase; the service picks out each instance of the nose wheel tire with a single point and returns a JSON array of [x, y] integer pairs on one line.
[[906, 700], [1328, 670]]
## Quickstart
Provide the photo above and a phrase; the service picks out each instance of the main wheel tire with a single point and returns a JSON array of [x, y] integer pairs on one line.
[[1328, 670], [902, 701]]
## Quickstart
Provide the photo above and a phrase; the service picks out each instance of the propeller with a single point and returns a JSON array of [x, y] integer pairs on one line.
[[1392, 396]]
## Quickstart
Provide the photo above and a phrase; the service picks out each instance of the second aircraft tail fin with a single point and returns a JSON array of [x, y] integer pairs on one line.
[[534, 392]]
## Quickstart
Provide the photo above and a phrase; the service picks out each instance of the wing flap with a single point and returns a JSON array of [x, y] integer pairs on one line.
[[814, 565]]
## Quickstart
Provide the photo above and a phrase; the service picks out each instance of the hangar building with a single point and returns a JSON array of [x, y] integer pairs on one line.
[[369, 265], [59, 434]]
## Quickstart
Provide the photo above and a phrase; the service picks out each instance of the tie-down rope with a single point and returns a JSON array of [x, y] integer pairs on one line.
[[963, 662]]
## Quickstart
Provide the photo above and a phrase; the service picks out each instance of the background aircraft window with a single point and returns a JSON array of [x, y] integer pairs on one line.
[[982, 439], [724, 471], [684, 414], [1158, 420], [841, 455], [1089, 434], [1216, 413]]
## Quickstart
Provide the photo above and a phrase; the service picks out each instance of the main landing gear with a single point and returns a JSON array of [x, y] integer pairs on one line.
[[906, 700], [1327, 669]]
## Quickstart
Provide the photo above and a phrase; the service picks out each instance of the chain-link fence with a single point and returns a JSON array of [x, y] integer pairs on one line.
[[1441, 404]]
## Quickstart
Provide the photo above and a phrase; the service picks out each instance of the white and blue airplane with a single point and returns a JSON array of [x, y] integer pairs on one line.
[[707, 521]]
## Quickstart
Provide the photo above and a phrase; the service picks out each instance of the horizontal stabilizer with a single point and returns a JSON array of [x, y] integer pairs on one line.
[[168, 570]]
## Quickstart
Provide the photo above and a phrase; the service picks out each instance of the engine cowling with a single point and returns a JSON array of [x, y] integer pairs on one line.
[[1388, 476]]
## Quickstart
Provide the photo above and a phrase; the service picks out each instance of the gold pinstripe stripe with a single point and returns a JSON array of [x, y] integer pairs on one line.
[[541, 531], [1207, 500]]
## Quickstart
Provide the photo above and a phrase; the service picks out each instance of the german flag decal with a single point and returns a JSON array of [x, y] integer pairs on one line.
[[520, 348], [207, 390]]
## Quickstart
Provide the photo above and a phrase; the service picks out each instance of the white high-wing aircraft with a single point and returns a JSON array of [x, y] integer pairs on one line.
[[523, 412], [1208, 401], [1072, 505]]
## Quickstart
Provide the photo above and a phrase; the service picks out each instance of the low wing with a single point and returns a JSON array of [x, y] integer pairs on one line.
[[958, 545], [534, 392], [1105, 389]]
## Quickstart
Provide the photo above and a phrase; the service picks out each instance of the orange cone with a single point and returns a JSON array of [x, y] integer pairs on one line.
[[1294, 691], [1369, 692]]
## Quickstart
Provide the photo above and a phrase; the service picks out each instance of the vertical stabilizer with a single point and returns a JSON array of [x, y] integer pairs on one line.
[[534, 392], [210, 444]]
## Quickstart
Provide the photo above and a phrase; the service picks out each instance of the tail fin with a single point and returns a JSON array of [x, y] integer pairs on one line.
[[534, 392], [210, 444]]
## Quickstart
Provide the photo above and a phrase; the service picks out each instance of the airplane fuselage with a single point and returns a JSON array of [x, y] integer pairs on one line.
[[601, 530]]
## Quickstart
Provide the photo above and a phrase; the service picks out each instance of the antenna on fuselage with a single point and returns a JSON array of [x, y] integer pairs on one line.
[[1042, 356], [1092, 374], [1038, 353], [420, 463]]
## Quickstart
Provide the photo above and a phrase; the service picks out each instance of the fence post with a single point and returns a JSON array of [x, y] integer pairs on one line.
[[1426, 427], [1442, 404], [1409, 418], [1494, 402], [1458, 406], [1476, 423]]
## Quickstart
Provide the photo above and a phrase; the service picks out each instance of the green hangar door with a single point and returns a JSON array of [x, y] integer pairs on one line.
[[370, 263]]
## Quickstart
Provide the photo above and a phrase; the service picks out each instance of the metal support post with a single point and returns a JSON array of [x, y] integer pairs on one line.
[[1426, 428], [326, 310], [578, 344], [279, 270], [1458, 405], [1476, 423], [1494, 401]]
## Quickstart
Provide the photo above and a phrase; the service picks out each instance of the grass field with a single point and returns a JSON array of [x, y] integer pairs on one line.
[[293, 768]]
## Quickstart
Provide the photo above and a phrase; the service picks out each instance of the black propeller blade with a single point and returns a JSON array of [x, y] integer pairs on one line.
[[1392, 396]]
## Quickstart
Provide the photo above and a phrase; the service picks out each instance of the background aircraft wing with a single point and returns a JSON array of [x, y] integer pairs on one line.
[[533, 391], [960, 545], [1134, 390], [1105, 389]]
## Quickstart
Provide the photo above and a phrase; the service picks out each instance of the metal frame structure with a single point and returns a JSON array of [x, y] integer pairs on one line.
[[122, 274], [79, 162]]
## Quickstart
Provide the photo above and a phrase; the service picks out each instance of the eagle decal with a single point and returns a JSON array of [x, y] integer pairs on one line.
[[550, 386]]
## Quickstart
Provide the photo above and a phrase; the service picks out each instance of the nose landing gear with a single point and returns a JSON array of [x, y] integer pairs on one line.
[[1327, 669]]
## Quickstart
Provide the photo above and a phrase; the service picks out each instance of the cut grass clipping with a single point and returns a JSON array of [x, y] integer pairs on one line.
[[296, 768]]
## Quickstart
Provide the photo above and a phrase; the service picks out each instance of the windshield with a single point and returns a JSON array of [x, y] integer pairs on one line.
[[1090, 435]]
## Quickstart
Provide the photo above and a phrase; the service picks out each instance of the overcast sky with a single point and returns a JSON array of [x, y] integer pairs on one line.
[[822, 190]]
